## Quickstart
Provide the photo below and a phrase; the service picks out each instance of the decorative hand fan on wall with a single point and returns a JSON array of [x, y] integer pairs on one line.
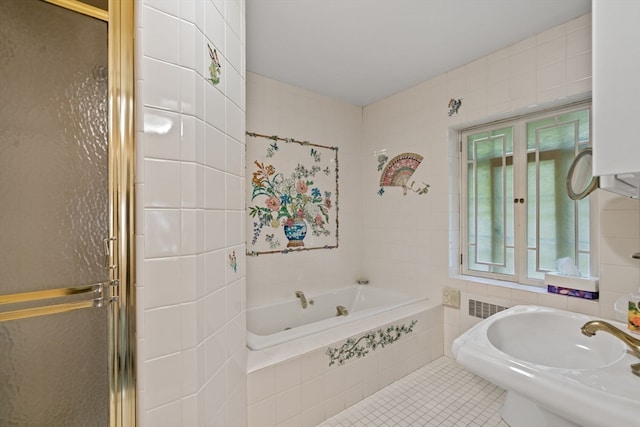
[[399, 171]]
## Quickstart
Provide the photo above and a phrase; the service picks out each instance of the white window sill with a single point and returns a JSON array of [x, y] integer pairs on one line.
[[501, 283]]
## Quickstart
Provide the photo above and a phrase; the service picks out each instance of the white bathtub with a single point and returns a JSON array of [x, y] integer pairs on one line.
[[346, 384], [276, 323]]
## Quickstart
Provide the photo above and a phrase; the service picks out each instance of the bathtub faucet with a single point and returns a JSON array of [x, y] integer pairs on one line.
[[589, 329], [303, 299], [341, 310]]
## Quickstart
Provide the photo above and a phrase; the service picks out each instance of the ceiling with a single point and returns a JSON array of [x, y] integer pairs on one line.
[[361, 51]]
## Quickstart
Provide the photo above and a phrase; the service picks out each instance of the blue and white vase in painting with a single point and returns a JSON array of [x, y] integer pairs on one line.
[[296, 233]]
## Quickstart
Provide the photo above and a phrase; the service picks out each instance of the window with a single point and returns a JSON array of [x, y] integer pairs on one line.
[[517, 219]]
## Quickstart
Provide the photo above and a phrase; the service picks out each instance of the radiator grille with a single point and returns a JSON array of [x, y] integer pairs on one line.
[[483, 309]]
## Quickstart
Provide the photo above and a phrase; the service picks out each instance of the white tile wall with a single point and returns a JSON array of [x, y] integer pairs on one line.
[[190, 144]]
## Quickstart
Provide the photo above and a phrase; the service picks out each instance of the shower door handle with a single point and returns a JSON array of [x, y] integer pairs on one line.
[[102, 290], [107, 252]]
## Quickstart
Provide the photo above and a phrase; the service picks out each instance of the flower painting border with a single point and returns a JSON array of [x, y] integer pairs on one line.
[[292, 203]]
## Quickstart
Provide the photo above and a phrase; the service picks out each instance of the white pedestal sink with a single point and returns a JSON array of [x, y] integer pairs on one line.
[[554, 375], [531, 335]]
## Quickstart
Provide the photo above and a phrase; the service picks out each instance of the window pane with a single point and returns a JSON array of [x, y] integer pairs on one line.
[[532, 201], [490, 189], [582, 119], [584, 262], [531, 265], [553, 219], [583, 225], [489, 201], [531, 132], [510, 224]]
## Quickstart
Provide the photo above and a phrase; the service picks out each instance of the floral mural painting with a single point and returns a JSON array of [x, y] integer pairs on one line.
[[294, 195]]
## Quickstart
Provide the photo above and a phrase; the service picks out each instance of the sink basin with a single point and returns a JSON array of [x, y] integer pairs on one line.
[[554, 376], [531, 336]]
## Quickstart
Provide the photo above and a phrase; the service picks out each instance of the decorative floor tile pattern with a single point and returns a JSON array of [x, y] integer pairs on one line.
[[440, 394]]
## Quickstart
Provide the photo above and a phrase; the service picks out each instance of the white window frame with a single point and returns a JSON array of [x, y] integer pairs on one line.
[[519, 124]]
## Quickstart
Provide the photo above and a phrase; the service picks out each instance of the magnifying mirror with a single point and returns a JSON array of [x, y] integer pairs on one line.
[[580, 179]]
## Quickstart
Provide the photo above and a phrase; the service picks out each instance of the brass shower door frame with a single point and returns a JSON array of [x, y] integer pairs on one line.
[[121, 242], [122, 346], [118, 294]]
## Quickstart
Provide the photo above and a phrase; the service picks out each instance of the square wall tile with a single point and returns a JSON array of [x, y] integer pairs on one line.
[[215, 190], [215, 148], [288, 374], [312, 393], [161, 134], [288, 404], [188, 91], [162, 184], [162, 279], [215, 26], [188, 176], [167, 415], [188, 139], [216, 393], [163, 381], [161, 84], [214, 106], [551, 52], [163, 333], [162, 231], [262, 413], [261, 384], [215, 271], [187, 41], [160, 29]]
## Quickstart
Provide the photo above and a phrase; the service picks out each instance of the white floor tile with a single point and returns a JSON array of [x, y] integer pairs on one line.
[[439, 394]]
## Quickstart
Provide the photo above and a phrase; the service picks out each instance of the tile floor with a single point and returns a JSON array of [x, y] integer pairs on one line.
[[439, 394]]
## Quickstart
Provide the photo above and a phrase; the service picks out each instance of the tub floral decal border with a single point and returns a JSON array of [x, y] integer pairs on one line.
[[293, 195], [372, 340]]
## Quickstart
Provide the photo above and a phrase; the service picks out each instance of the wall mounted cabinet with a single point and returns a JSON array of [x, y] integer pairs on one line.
[[616, 87]]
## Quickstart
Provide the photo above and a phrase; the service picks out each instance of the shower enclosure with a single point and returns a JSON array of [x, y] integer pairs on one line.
[[66, 277]]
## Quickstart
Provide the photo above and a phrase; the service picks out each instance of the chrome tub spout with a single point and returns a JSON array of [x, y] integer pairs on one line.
[[342, 311], [303, 299]]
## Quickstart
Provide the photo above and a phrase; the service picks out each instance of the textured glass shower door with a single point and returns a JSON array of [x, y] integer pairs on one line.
[[54, 213]]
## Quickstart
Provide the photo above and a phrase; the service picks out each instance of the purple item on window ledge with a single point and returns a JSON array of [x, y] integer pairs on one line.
[[572, 292]]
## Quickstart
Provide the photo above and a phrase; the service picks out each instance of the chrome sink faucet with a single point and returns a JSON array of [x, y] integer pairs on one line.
[[303, 299], [589, 329]]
